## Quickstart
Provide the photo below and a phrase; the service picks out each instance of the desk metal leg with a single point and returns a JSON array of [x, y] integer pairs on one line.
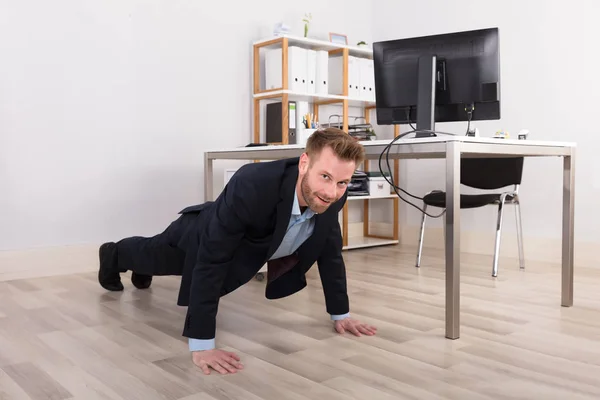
[[568, 229], [208, 178], [453, 240]]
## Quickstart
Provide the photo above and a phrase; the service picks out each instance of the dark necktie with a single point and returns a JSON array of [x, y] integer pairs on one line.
[[279, 266]]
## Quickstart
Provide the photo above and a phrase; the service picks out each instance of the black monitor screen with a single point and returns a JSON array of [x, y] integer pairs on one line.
[[467, 71]]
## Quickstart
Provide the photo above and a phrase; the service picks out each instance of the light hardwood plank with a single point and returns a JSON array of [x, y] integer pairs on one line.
[[9, 390], [36, 383], [75, 340]]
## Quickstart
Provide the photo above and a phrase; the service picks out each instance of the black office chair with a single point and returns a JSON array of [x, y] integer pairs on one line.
[[485, 174]]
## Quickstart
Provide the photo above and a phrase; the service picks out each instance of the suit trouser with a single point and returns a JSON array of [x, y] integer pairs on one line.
[[156, 255]]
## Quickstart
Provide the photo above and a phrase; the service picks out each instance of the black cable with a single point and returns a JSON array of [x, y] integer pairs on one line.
[[386, 151], [387, 161], [469, 109], [408, 118]]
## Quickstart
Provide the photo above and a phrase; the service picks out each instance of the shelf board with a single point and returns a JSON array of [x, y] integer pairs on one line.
[[314, 98], [317, 44], [358, 242], [390, 196]]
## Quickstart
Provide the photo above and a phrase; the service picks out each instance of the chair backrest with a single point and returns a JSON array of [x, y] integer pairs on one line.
[[491, 173]]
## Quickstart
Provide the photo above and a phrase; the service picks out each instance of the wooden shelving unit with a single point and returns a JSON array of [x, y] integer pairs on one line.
[[285, 95]]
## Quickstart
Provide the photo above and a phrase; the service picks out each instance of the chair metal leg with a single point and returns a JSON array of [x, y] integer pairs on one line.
[[421, 236], [498, 235], [519, 234]]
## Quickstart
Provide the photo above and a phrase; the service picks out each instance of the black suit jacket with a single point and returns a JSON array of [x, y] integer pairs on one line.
[[237, 234]]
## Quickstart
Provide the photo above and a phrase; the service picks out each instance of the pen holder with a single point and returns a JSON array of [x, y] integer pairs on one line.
[[303, 136]]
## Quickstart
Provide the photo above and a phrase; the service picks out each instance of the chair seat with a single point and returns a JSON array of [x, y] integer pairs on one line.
[[438, 199]]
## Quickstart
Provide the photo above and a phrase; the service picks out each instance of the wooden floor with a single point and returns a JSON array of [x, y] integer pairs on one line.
[[64, 337]]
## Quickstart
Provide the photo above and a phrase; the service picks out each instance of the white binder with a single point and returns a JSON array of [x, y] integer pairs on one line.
[[336, 75], [322, 72], [367, 80], [273, 69], [311, 71], [354, 64], [297, 69]]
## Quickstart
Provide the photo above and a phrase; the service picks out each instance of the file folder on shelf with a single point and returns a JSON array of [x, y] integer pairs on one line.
[[336, 75], [311, 71], [322, 70], [354, 77], [367, 80], [274, 132], [273, 69], [297, 69], [292, 134]]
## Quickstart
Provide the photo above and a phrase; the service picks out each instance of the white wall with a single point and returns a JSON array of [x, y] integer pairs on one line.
[[549, 85], [106, 107]]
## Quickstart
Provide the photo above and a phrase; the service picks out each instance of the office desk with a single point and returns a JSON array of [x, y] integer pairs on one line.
[[452, 148]]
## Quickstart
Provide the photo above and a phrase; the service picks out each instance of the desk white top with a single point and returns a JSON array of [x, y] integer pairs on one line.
[[471, 139], [412, 140]]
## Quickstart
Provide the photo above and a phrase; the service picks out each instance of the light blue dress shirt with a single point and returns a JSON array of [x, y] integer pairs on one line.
[[299, 229]]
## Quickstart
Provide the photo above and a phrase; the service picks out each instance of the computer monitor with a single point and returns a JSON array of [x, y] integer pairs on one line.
[[440, 78]]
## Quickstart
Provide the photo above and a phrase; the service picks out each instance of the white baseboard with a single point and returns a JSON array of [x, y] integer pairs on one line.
[[535, 249], [48, 261], [84, 258]]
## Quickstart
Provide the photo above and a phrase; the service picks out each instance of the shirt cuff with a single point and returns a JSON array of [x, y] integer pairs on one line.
[[338, 317], [201, 344]]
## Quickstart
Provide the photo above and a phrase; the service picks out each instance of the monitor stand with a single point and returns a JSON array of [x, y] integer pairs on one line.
[[426, 96]]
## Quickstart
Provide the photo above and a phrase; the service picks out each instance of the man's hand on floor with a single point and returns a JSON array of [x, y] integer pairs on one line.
[[221, 361], [355, 327]]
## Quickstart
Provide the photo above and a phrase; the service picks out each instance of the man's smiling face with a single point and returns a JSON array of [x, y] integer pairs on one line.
[[323, 179]]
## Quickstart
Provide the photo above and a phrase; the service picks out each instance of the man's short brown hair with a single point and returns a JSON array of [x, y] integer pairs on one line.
[[343, 145]]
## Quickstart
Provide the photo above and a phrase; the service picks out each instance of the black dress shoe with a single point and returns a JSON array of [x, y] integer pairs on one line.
[[141, 281], [108, 274]]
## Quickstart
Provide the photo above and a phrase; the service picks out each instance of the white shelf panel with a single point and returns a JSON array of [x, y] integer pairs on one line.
[[358, 242], [310, 97], [391, 196], [317, 44]]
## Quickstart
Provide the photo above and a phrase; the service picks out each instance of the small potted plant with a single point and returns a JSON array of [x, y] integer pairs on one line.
[[307, 18], [371, 134]]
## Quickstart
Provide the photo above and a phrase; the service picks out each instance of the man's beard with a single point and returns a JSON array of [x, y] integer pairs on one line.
[[311, 198]]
